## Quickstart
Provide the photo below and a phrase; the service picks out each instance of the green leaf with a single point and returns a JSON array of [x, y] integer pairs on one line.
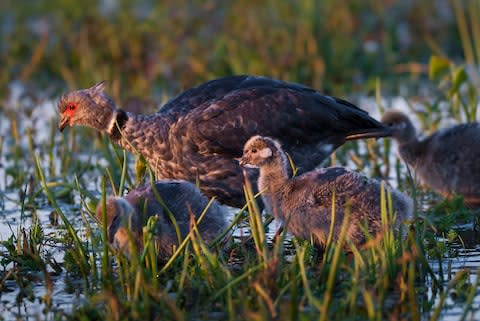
[[459, 77], [438, 66]]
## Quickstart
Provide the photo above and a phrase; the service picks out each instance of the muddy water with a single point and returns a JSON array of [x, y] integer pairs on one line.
[[67, 292]]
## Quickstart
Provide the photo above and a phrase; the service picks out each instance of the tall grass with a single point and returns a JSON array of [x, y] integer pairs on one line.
[[170, 48], [256, 277]]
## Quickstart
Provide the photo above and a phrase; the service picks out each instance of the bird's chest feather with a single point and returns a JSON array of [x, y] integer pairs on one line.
[[185, 160]]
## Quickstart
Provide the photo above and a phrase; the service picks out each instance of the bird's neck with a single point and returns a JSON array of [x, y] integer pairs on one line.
[[116, 124], [144, 134], [410, 151], [273, 176]]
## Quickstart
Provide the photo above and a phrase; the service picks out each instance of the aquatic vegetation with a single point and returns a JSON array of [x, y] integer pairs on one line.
[[55, 261], [257, 277]]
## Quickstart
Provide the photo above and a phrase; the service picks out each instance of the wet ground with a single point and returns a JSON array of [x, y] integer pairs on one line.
[[66, 291]]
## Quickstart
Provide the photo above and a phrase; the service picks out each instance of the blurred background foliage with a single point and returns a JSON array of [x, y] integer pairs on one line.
[[146, 48], [150, 50]]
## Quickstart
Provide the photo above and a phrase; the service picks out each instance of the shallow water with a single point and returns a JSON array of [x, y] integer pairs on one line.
[[66, 290], [467, 258], [62, 297]]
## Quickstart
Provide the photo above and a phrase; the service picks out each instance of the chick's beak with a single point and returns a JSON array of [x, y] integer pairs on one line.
[[63, 122], [241, 161]]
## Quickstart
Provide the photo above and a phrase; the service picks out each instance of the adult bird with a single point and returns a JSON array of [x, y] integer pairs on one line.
[[198, 135], [447, 160]]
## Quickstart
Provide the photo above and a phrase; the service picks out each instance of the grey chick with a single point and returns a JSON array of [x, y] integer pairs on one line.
[[198, 135], [447, 161], [304, 202], [129, 214]]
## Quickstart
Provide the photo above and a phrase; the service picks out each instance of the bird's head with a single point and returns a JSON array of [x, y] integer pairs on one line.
[[260, 151], [116, 208], [122, 223], [402, 128], [87, 107]]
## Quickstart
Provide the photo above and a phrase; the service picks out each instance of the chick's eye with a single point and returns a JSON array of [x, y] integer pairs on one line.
[[254, 150]]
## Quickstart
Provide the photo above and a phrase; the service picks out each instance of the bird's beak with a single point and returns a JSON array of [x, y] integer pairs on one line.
[[241, 161], [64, 122]]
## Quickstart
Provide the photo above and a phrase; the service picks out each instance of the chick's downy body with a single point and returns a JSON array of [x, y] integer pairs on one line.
[[305, 202], [128, 215], [447, 160]]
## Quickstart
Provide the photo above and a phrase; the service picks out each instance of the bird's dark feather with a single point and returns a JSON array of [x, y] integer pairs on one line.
[[209, 124], [198, 134]]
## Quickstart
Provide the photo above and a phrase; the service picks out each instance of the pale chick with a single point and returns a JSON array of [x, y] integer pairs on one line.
[[304, 203]]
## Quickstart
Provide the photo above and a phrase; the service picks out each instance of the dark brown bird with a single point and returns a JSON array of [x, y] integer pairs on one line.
[[447, 160], [198, 135], [129, 214], [304, 203]]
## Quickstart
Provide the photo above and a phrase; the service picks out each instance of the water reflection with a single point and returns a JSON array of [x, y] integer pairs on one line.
[[28, 303]]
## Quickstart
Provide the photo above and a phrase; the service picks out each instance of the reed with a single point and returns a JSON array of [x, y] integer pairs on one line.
[[397, 275]]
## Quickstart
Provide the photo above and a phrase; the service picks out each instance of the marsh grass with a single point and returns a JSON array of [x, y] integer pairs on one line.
[[250, 277], [397, 275], [253, 277]]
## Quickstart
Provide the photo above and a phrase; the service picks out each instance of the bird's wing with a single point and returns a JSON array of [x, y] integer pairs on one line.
[[294, 114], [196, 96], [217, 89]]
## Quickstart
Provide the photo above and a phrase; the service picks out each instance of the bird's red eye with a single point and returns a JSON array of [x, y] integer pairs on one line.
[[70, 107]]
